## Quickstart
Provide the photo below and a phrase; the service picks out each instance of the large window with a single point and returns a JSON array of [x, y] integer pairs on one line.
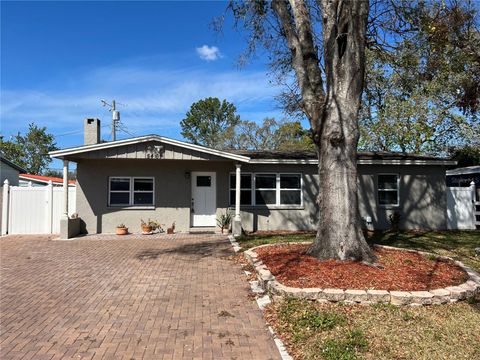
[[268, 189], [388, 189], [127, 191]]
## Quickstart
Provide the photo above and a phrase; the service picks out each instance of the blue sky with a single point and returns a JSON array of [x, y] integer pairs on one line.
[[59, 59]]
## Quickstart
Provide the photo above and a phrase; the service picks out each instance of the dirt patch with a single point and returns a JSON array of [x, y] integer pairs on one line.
[[401, 270]]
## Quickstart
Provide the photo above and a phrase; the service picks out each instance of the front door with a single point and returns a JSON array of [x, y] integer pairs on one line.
[[204, 202]]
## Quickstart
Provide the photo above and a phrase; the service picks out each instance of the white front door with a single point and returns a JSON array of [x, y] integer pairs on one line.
[[204, 202]]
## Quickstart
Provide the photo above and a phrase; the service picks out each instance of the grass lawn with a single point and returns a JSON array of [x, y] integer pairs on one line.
[[336, 331], [458, 245]]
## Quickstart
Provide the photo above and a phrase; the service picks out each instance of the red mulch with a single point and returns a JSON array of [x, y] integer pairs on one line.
[[402, 270]]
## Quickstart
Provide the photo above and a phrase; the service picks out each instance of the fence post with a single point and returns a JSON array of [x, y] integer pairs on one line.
[[49, 206], [473, 197], [5, 206]]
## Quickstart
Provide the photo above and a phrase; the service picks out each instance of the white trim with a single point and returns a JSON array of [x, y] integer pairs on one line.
[[360, 162], [131, 192], [391, 190], [464, 171], [147, 138]]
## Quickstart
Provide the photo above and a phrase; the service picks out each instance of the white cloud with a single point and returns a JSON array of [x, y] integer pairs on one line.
[[208, 53]]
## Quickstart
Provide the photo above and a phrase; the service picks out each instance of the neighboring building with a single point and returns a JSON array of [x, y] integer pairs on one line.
[[39, 180], [173, 181], [462, 177], [8, 171]]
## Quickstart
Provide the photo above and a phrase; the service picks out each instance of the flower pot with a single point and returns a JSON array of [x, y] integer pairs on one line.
[[147, 229], [121, 231]]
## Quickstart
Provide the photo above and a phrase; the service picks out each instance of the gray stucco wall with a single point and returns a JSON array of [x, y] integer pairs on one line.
[[423, 201], [7, 172], [422, 195], [172, 192]]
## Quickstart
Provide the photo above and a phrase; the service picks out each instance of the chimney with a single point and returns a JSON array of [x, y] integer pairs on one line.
[[91, 131]]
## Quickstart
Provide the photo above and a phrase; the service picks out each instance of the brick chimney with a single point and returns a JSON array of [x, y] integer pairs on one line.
[[91, 131]]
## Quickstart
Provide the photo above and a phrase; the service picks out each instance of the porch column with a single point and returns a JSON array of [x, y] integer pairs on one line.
[[237, 221], [65, 188]]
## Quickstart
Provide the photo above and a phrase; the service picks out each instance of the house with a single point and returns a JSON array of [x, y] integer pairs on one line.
[[462, 177], [39, 180], [8, 171], [173, 181]]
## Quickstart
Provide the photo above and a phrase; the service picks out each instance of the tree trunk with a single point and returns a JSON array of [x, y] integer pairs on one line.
[[332, 111], [339, 232]]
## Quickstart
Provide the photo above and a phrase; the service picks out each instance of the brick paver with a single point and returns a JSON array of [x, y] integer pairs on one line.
[[162, 297]]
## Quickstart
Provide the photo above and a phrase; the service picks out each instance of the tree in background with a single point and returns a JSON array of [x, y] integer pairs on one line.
[[30, 151], [422, 92], [466, 156], [208, 121], [270, 135]]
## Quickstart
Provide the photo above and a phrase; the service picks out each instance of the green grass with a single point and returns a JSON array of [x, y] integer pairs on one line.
[[252, 240], [335, 331], [459, 245]]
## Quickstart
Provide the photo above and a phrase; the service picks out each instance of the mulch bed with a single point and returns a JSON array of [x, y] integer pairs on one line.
[[402, 270]]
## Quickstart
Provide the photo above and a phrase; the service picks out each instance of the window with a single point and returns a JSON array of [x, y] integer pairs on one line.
[[269, 189], [245, 189], [388, 191], [290, 189], [204, 181], [265, 189], [126, 191]]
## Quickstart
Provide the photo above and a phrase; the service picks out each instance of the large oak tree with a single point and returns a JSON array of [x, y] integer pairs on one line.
[[329, 94]]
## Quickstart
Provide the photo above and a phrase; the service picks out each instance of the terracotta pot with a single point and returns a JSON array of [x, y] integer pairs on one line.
[[121, 231], [146, 229]]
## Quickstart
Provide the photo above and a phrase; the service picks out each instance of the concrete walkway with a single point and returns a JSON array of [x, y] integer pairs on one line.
[[162, 297]]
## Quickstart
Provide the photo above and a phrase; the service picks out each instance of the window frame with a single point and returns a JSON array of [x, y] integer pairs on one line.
[[277, 190], [131, 192], [251, 188], [389, 190]]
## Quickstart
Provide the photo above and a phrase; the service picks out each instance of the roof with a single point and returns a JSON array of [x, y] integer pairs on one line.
[[45, 179], [11, 164], [464, 171], [264, 156], [140, 139], [364, 157]]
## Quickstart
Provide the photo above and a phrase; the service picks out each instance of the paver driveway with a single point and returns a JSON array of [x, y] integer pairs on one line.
[[168, 297]]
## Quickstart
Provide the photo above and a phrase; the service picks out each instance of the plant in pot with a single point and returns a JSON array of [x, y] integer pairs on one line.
[[224, 221], [150, 226], [121, 230]]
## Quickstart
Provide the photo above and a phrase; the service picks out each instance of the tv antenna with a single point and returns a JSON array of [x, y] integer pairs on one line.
[[115, 117]]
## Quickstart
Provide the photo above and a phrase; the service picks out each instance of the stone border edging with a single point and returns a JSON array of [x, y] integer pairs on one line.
[[469, 289]]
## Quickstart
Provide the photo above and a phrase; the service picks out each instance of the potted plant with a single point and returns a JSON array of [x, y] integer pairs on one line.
[[121, 230], [150, 226], [146, 227], [224, 221]]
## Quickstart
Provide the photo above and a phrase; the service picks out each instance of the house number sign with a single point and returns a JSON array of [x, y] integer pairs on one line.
[[155, 152]]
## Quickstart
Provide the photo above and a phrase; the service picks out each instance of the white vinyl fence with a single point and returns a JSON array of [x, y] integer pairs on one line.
[[461, 212], [34, 210]]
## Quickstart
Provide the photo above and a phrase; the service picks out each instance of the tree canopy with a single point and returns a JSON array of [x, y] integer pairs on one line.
[[208, 120], [269, 135], [423, 76], [30, 151]]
